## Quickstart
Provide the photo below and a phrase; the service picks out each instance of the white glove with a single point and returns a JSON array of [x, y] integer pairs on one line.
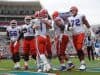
[[71, 28], [53, 40], [15, 43]]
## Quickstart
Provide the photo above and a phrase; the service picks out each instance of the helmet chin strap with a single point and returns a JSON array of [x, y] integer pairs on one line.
[[13, 26]]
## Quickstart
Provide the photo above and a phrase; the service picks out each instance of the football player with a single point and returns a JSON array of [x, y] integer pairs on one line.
[[28, 40], [40, 27], [13, 33], [44, 15], [61, 39], [76, 26]]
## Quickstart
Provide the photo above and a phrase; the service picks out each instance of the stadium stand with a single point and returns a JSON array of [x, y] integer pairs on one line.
[[16, 10]]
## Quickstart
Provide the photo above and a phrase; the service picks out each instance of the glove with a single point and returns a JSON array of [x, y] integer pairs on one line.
[[24, 30], [15, 43], [53, 40], [70, 28]]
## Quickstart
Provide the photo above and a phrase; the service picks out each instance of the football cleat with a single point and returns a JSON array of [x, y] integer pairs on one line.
[[39, 70], [82, 67], [17, 67], [46, 68], [70, 66], [26, 67], [63, 68]]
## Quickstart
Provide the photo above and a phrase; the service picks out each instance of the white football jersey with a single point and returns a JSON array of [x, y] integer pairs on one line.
[[77, 23], [57, 29], [13, 33], [47, 30], [41, 30], [29, 30]]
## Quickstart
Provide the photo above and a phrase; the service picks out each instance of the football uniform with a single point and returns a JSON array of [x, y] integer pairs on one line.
[[40, 33], [76, 26], [41, 44], [29, 39], [13, 34], [48, 42], [61, 40], [78, 30]]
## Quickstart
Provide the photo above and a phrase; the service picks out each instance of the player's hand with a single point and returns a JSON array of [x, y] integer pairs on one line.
[[71, 28], [15, 43], [24, 30], [52, 41]]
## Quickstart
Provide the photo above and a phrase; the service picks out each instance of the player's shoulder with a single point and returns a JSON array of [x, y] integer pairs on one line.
[[70, 17], [81, 15], [23, 26], [18, 27], [34, 20], [8, 28]]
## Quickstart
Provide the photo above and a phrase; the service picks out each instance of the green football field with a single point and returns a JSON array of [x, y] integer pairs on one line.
[[93, 68]]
